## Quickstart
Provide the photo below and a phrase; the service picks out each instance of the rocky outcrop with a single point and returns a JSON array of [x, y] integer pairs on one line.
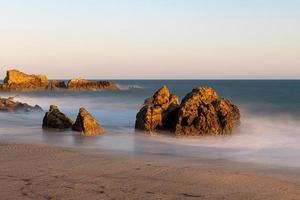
[[56, 119], [202, 112], [87, 124], [55, 85], [16, 80], [158, 111], [82, 84], [9, 105], [19, 81]]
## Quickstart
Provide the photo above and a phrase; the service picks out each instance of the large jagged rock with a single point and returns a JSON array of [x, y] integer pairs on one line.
[[87, 124], [56, 119], [158, 112], [82, 84], [9, 105], [202, 112], [16, 81]]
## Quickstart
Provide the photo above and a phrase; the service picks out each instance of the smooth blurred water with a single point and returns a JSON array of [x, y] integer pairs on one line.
[[270, 130]]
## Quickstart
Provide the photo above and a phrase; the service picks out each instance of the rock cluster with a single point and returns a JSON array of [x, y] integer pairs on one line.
[[201, 112], [19, 81], [9, 105], [16, 80], [85, 122], [158, 112]]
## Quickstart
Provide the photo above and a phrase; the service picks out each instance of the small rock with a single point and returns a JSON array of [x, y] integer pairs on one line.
[[87, 124], [58, 85], [56, 119]]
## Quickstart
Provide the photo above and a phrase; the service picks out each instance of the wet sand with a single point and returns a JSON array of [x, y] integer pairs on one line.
[[31, 171]]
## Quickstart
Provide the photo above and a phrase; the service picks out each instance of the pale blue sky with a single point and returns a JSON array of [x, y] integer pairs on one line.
[[151, 39]]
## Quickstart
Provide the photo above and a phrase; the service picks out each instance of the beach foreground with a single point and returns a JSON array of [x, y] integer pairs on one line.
[[31, 171]]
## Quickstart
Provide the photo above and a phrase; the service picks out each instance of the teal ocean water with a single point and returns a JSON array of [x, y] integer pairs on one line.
[[269, 133]]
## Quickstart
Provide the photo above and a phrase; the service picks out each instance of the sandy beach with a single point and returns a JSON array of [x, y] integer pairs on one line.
[[34, 171]]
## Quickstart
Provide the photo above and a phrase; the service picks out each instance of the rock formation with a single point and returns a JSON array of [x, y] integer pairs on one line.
[[9, 105], [58, 85], [158, 112], [19, 81], [201, 112], [16, 80], [56, 119], [82, 84], [87, 124]]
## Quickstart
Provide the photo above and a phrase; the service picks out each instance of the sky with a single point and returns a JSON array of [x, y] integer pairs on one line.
[[151, 39]]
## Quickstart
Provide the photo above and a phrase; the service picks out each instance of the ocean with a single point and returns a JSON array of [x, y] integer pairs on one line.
[[269, 132]]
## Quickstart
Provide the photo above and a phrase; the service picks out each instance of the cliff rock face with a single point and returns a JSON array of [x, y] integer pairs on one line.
[[202, 112], [9, 105], [87, 124], [56, 119], [16, 80], [82, 84], [158, 112]]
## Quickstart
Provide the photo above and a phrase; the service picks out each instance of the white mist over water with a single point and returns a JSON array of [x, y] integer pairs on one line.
[[270, 139], [264, 137]]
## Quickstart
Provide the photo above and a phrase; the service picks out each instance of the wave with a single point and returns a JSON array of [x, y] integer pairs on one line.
[[130, 87]]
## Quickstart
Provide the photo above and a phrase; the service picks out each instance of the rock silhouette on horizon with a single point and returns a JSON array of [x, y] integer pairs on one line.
[[9, 105], [201, 112], [158, 111], [55, 84], [56, 119], [86, 124], [16, 80], [83, 84]]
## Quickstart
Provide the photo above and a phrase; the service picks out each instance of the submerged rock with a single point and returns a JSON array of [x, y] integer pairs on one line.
[[158, 112], [82, 84], [56, 119], [87, 124], [9, 105], [202, 112], [16, 80]]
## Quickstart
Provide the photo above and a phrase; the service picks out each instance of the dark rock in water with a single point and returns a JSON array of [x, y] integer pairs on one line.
[[58, 85], [158, 112], [9, 105], [87, 124], [82, 84], [56, 119], [18, 81], [202, 112]]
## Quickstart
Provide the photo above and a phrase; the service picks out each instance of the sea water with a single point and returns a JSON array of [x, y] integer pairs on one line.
[[269, 132]]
